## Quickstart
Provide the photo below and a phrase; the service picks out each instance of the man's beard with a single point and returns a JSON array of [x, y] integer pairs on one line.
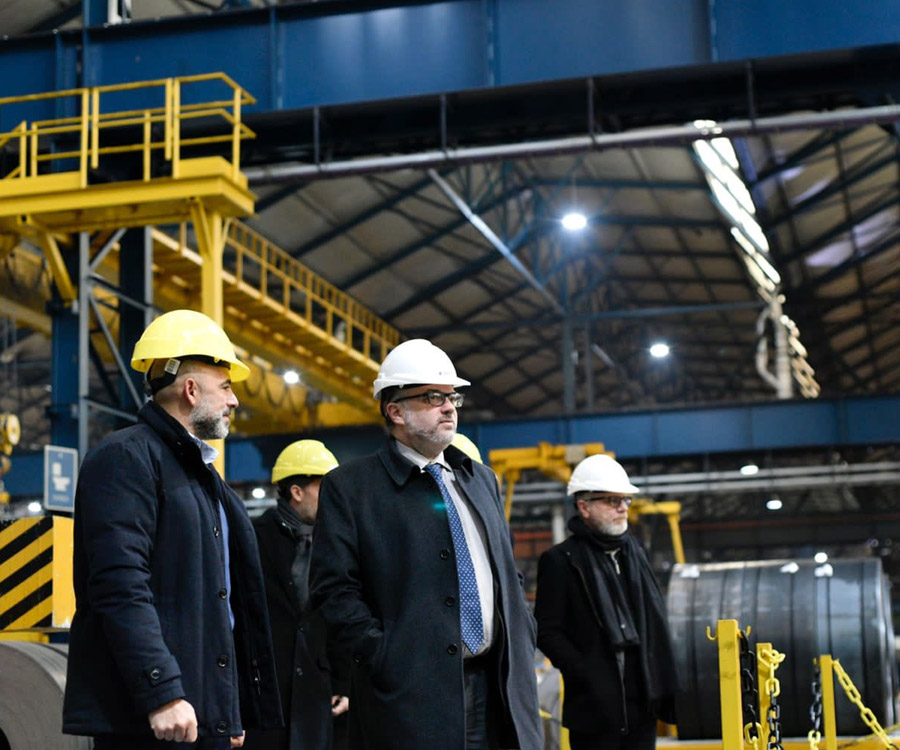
[[615, 528], [208, 424]]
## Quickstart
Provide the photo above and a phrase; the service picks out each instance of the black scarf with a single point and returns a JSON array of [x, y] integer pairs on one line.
[[302, 537], [631, 608]]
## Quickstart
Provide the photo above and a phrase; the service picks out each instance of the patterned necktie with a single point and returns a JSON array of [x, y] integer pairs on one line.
[[469, 602]]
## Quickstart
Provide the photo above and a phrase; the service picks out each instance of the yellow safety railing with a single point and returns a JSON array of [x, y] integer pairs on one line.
[[50, 146], [257, 262]]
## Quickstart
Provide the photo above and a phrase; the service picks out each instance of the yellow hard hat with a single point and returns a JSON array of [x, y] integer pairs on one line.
[[305, 458], [467, 447], [183, 333]]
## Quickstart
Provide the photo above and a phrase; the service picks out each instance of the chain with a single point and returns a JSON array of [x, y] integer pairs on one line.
[[815, 708], [749, 692], [772, 659], [865, 713]]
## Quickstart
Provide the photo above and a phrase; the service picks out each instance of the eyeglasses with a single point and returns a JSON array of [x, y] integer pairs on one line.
[[436, 398], [612, 502]]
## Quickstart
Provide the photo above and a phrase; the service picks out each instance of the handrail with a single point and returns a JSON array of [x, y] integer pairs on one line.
[[259, 263], [44, 147]]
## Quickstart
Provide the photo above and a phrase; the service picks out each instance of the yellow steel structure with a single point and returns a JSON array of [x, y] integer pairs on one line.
[[727, 638], [36, 574], [274, 308]]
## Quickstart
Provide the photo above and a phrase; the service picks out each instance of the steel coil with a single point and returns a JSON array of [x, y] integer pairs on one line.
[[803, 609], [32, 682]]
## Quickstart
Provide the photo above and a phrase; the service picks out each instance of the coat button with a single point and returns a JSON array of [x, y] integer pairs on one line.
[[357, 660], [216, 533], [445, 554], [155, 674], [450, 601], [222, 661], [221, 727], [299, 671], [223, 593], [452, 649]]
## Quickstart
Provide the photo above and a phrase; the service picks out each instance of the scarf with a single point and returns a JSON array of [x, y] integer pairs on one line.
[[302, 537], [630, 606]]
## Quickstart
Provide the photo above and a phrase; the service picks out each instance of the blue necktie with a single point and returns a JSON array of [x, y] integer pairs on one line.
[[470, 621]]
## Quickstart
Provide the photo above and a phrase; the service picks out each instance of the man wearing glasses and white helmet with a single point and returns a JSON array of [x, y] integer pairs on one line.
[[602, 620], [412, 568]]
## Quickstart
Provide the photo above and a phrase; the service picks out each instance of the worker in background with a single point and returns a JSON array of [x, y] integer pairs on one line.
[[170, 639], [309, 677], [467, 446], [413, 569], [602, 620]]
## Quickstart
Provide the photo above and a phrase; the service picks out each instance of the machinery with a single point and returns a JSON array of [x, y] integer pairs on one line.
[[10, 432]]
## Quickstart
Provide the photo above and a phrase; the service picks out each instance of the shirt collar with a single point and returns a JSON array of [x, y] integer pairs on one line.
[[207, 452], [417, 459]]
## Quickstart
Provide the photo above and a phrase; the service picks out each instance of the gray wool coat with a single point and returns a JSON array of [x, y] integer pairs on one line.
[[383, 575]]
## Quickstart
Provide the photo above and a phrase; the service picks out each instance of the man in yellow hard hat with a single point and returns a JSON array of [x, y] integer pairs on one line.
[[310, 677], [170, 640]]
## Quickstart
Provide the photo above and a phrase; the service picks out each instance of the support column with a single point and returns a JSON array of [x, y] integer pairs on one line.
[[588, 370], [136, 282], [209, 227]]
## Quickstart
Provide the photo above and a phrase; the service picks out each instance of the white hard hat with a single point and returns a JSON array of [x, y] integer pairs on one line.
[[416, 362], [600, 474]]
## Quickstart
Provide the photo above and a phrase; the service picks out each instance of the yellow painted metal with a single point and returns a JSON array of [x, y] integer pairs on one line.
[[45, 188], [277, 307], [867, 743], [762, 674], [58, 267], [829, 715], [671, 509], [36, 574], [25, 635], [727, 634]]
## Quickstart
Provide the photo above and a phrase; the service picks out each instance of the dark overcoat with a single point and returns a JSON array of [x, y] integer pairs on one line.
[[571, 634], [307, 678], [384, 577], [151, 623]]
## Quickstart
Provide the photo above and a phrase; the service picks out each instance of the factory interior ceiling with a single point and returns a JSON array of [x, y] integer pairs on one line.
[[775, 225]]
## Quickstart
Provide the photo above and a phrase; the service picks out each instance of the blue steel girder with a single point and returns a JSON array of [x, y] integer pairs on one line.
[[818, 144], [284, 53]]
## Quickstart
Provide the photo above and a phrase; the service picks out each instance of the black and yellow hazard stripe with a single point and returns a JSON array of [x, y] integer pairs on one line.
[[26, 574]]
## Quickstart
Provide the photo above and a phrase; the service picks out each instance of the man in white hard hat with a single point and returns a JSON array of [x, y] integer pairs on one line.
[[412, 568], [310, 675], [602, 620], [169, 645]]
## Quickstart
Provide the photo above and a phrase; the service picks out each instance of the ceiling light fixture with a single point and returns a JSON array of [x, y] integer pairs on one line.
[[291, 377], [574, 221], [259, 493], [748, 470], [659, 350], [774, 504]]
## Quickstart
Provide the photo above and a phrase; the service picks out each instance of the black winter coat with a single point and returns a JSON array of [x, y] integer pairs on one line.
[[384, 577], [571, 634], [151, 622], [307, 674]]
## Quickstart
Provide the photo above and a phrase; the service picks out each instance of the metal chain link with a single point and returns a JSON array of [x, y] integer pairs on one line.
[[771, 660], [865, 713], [815, 708], [749, 692]]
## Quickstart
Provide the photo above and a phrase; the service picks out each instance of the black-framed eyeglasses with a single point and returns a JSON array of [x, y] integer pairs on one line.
[[612, 502], [436, 398]]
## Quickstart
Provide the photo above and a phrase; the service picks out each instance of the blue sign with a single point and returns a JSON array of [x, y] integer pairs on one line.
[[60, 476]]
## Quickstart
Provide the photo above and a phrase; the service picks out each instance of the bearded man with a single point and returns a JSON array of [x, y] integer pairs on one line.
[[169, 645]]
